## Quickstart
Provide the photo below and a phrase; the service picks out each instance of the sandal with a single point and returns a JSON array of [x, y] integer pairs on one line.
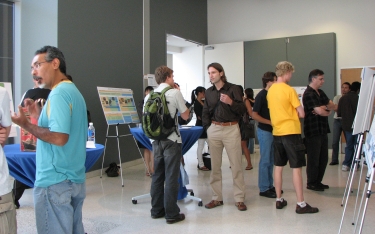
[[248, 168], [204, 168]]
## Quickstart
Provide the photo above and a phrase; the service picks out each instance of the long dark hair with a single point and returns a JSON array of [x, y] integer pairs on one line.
[[219, 68], [195, 92], [250, 95]]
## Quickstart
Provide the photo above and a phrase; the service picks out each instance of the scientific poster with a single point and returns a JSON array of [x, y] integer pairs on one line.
[[369, 147], [118, 105]]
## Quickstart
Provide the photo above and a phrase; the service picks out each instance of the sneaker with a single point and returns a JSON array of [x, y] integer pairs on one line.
[[213, 204], [306, 210], [269, 193], [175, 220], [333, 163], [314, 187], [345, 168], [241, 206], [281, 204], [274, 190], [158, 216], [323, 186]]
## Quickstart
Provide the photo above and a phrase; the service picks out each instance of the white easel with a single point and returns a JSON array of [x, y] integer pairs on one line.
[[361, 126], [119, 108]]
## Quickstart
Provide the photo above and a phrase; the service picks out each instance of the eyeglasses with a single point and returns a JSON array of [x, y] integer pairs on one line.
[[37, 65]]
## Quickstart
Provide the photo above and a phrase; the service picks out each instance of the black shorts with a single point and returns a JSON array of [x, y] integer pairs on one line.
[[289, 147]]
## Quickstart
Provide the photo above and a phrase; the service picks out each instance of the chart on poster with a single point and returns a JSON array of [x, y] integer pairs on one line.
[[118, 105]]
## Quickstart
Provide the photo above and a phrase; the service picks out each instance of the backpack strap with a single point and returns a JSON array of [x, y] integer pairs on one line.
[[165, 103]]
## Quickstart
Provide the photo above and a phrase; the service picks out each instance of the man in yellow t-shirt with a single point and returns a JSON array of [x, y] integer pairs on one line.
[[285, 111]]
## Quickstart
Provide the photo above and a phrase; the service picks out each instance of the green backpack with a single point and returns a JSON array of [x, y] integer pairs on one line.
[[157, 123]]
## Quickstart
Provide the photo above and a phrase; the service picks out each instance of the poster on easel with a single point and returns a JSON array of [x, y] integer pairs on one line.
[[118, 105], [8, 87], [369, 147], [365, 102]]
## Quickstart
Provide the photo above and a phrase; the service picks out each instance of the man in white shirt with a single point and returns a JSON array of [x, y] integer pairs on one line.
[[8, 223], [167, 154]]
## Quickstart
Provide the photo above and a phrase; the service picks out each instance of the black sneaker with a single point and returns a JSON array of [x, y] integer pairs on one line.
[[281, 204], [306, 210], [315, 187], [269, 193], [333, 163], [175, 220], [274, 190], [323, 186], [158, 216]]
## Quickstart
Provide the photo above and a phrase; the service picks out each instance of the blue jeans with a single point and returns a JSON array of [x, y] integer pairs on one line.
[[167, 159], [265, 175], [351, 140], [336, 134], [58, 208]]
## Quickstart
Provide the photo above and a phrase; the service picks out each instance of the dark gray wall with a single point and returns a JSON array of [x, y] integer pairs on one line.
[[183, 18], [102, 42], [304, 52]]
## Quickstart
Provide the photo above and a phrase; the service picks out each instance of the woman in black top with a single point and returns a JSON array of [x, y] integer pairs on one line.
[[249, 92], [244, 138], [197, 96]]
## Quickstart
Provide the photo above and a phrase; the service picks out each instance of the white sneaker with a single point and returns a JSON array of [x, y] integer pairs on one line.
[[345, 168]]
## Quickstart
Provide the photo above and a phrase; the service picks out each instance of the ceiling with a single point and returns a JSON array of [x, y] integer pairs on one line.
[[176, 41]]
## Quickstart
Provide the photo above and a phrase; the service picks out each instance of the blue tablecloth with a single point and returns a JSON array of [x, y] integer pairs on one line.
[[22, 164], [188, 135]]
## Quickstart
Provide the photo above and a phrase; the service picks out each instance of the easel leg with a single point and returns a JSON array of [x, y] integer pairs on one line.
[[105, 146], [119, 155]]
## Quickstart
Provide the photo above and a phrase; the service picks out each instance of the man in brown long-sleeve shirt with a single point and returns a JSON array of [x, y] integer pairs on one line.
[[222, 110], [347, 109]]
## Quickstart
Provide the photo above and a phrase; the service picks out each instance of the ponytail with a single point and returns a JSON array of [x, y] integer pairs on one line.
[[193, 97]]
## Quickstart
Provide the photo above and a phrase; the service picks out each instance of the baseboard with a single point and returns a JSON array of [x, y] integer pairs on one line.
[[125, 165]]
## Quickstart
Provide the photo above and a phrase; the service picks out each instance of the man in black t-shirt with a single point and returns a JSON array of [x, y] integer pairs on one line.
[[317, 108], [261, 114]]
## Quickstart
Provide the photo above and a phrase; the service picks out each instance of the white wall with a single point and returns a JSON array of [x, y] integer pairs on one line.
[[247, 20], [231, 57], [35, 27], [188, 69]]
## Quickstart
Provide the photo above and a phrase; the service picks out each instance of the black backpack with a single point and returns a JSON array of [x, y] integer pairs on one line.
[[157, 123], [113, 170]]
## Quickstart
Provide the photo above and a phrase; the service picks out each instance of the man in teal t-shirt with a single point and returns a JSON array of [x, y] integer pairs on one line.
[[60, 188]]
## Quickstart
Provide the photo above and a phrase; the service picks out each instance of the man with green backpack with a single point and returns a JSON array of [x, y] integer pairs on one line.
[[159, 123]]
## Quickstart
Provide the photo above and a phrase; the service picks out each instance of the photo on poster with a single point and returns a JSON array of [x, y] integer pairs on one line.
[[118, 105]]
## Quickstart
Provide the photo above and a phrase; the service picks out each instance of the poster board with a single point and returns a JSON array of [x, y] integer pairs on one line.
[[369, 147], [366, 101], [150, 80], [118, 105], [8, 87]]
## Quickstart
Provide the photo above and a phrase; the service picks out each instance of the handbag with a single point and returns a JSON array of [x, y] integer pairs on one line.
[[113, 170], [248, 130], [247, 127]]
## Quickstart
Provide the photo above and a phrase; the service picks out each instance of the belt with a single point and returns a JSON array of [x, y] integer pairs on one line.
[[225, 123]]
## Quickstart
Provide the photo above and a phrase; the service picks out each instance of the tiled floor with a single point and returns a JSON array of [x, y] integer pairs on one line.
[[108, 207]]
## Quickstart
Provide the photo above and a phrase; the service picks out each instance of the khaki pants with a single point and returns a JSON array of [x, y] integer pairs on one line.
[[230, 138], [8, 222]]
